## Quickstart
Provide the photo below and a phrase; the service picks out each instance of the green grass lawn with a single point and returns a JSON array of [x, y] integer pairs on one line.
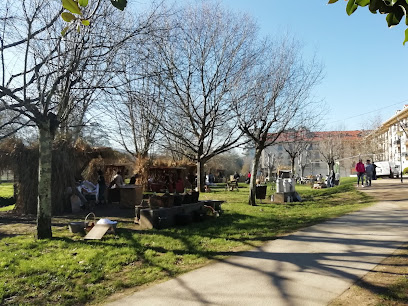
[[7, 208], [6, 190], [67, 270]]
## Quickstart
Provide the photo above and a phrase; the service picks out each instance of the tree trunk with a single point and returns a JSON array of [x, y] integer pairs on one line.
[[331, 166], [44, 209], [252, 184], [302, 169], [292, 165], [200, 176]]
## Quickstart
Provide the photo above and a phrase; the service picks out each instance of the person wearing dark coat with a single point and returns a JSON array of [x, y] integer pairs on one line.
[[374, 171], [102, 187]]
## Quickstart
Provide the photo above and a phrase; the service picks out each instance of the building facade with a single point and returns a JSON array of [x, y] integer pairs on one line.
[[390, 139], [341, 149], [388, 142]]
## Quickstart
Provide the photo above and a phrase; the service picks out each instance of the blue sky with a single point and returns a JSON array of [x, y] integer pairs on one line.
[[364, 61]]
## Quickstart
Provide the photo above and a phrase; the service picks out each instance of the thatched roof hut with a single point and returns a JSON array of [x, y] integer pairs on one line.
[[71, 161]]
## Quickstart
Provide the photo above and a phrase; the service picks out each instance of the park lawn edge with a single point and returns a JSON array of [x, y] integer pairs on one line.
[[67, 270]]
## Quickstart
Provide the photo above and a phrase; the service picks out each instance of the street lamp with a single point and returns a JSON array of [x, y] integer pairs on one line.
[[399, 133]]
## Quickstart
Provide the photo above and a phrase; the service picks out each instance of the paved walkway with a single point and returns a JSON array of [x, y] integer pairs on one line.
[[309, 267]]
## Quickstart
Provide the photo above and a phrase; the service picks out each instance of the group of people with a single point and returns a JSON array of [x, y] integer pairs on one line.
[[169, 182], [209, 179], [115, 183], [87, 191], [365, 173]]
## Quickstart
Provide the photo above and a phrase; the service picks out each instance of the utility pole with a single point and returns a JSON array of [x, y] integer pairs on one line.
[[399, 133]]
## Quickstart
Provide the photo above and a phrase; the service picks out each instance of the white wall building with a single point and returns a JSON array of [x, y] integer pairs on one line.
[[391, 139], [275, 158], [389, 142]]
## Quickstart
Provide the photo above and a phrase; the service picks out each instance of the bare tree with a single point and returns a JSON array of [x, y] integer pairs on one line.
[[268, 163], [199, 64], [135, 105], [135, 109], [331, 147], [295, 143], [303, 160], [276, 98], [224, 164], [51, 74]]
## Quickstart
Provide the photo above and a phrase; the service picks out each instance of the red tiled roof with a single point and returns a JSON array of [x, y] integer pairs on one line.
[[317, 136], [349, 135]]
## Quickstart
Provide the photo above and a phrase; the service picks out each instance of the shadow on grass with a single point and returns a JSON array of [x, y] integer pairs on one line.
[[355, 254], [7, 235], [242, 228]]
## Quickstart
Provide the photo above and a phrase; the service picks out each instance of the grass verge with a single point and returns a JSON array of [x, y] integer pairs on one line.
[[67, 270], [7, 208], [6, 196], [386, 284], [6, 190]]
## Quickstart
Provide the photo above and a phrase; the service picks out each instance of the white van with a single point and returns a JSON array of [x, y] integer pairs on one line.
[[387, 168]]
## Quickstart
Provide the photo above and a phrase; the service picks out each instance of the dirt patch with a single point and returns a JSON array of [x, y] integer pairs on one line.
[[387, 283], [12, 224]]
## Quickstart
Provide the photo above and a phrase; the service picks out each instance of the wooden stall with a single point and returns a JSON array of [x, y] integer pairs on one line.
[[130, 196], [170, 179]]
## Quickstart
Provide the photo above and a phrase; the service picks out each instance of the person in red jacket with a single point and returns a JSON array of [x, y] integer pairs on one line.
[[360, 173], [248, 178]]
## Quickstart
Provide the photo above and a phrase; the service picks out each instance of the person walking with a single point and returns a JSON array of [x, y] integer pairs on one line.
[[360, 172], [101, 188], [369, 170], [236, 178], [375, 171], [248, 179]]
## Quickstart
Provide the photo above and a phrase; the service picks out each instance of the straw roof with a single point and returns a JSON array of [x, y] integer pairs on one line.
[[71, 161]]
